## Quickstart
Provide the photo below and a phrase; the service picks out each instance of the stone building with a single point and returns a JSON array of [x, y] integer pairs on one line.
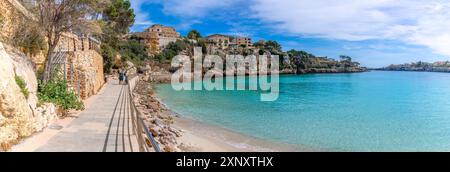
[[225, 42], [220, 41], [157, 37], [242, 41]]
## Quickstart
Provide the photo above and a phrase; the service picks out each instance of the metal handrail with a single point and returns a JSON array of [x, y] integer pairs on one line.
[[139, 125]]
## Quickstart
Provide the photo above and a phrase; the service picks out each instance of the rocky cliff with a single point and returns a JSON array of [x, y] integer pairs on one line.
[[11, 13], [19, 115]]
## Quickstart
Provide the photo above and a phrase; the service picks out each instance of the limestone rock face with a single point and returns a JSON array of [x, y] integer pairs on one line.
[[19, 116], [131, 68], [15, 113], [23, 67]]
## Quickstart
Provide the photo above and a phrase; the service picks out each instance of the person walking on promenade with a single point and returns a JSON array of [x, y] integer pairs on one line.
[[121, 77]]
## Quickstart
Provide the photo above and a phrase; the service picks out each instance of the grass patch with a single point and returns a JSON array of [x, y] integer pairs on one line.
[[23, 86]]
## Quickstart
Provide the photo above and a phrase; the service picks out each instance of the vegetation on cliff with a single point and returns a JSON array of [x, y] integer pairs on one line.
[[173, 49], [304, 62], [22, 85], [57, 17], [293, 61], [29, 39], [106, 20], [118, 17]]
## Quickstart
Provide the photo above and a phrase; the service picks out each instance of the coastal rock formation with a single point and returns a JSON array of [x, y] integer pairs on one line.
[[157, 118], [19, 115], [156, 73], [442, 66]]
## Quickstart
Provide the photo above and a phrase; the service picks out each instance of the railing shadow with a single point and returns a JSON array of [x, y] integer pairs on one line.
[[105, 146]]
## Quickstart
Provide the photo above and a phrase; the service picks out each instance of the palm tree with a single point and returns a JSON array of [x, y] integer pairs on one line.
[[194, 34]]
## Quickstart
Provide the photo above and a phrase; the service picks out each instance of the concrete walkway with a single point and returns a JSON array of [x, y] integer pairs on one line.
[[105, 126]]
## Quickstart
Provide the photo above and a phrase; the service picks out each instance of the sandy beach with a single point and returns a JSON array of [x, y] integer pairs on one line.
[[209, 138]]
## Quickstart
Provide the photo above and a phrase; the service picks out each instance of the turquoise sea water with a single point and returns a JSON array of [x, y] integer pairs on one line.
[[373, 111]]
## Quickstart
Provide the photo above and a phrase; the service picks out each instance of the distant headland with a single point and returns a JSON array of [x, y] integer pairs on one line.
[[441, 66]]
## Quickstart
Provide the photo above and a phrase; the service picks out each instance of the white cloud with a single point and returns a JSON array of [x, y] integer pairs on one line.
[[142, 16], [418, 22]]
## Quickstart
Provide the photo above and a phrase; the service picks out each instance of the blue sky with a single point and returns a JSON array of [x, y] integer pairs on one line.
[[374, 32]]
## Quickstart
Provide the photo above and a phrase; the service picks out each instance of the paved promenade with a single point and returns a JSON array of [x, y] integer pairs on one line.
[[105, 126]]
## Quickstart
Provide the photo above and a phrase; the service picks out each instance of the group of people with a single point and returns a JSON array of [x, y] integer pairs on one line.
[[123, 77]]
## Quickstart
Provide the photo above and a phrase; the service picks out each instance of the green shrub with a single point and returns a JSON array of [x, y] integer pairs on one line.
[[133, 50], [172, 49], [57, 92], [108, 54], [23, 86]]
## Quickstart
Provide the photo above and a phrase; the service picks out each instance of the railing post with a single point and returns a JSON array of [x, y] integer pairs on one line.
[[137, 127]]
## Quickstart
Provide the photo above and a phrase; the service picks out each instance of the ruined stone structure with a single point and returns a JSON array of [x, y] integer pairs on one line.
[[157, 37]]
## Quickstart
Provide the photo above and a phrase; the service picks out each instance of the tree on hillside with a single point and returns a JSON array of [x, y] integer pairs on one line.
[[273, 46], [194, 34], [346, 61], [117, 18], [345, 58], [59, 16], [132, 50], [259, 44]]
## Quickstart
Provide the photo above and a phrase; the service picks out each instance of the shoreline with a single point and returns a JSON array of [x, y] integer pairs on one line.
[[199, 136], [205, 137], [421, 71]]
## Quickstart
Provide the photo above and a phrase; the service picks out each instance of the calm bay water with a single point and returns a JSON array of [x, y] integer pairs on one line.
[[373, 111]]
